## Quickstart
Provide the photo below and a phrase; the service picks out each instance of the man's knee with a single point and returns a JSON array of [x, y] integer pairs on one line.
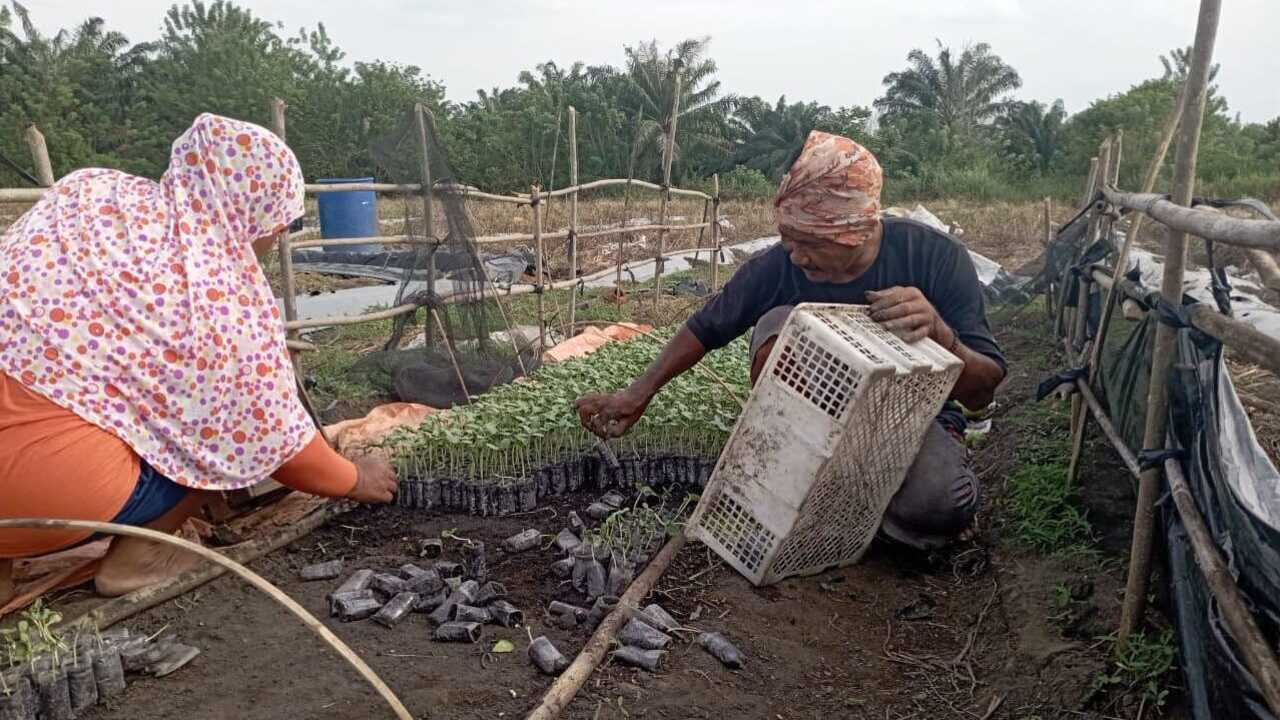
[[939, 495], [764, 335]]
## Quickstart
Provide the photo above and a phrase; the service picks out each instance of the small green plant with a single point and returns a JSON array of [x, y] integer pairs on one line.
[[33, 636], [1143, 666], [516, 429], [1045, 511]]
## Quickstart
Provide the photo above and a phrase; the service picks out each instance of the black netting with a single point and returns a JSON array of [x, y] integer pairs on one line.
[[459, 343]]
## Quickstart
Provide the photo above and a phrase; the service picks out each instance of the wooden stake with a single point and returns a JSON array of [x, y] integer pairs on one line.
[[715, 232], [1048, 221], [539, 285], [566, 686], [1090, 183], [1257, 653], [288, 281], [573, 217], [668, 153], [39, 155], [457, 369], [1122, 266], [1135, 599], [420, 113]]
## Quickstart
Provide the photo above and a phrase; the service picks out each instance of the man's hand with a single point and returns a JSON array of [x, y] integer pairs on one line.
[[609, 416], [907, 313], [375, 480]]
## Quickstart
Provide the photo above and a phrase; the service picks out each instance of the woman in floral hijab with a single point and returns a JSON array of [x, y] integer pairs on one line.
[[142, 354]]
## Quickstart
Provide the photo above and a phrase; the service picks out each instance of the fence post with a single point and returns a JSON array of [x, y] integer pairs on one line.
[[1117, 148], [668, 152], [535, 204], [39, 155], [1184, 176], [288, 282], [1108, 153], [1090, 187], [573, 219], [1048, 221], [428, 210], [715, 232], [1122, 260]]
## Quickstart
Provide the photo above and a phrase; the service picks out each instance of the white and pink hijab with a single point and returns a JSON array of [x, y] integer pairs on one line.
[[140, 306]]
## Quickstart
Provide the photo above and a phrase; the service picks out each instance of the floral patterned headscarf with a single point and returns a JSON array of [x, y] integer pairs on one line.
[[140, 306], [832, 190]]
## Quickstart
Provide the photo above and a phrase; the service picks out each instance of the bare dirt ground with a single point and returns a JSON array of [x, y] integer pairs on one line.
[[972, 633]]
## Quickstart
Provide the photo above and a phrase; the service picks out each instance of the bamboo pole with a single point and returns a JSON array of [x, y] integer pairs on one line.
[[448, 345], [1257, 652], [668, 154], [715, 232], [1117, 149], [573, 216], [1267, 267], [1090, 183], [1048, 221], [618, 181], [563, 690], [1135, 599], [21, 195], [428, 211], [351, 319], [387, 188], [1122, 266], [284, 248], [1210, 225], [271, 591], [39, 155], [536, 205], [1100, 222]]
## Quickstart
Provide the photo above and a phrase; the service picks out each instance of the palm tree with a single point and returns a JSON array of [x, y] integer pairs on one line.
[[651, 86], [1034, 132], [772, 136], [549, 87], [1176, 66], [960, 92]]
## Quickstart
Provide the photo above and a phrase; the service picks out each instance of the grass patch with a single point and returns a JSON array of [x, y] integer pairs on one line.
[[1143, 667], [1046, 514]]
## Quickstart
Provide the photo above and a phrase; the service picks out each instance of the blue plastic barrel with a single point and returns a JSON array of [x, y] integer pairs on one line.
[[348, 214]]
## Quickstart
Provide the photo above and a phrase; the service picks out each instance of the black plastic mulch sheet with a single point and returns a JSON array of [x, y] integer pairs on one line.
[[1237, 490]]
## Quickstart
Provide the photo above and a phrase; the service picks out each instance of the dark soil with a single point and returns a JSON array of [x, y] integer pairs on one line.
[[970, 633]]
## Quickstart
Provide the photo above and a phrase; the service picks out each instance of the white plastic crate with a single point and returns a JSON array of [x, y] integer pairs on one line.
[[836, 418]]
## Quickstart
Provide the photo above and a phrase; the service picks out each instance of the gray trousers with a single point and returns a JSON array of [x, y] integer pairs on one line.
[[939, 496]]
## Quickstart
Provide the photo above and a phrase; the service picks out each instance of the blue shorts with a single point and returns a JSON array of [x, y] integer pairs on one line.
[[153, 496]]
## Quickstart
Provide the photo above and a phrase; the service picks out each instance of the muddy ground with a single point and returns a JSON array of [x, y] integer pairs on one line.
[[972, 633]]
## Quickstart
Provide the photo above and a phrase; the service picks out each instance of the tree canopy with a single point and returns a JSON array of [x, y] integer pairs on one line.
[[948, 123]]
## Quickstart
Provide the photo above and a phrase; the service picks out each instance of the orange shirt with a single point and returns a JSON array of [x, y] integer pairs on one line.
[[53, 463]]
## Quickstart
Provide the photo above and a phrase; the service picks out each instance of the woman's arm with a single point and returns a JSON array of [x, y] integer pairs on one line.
[[320, 470], [611, 415]]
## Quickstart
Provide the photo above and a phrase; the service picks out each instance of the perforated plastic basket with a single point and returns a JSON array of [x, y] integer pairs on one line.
[[831, 427]]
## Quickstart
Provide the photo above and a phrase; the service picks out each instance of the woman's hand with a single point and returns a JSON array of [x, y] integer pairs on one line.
[[375, 480], [610, 416]]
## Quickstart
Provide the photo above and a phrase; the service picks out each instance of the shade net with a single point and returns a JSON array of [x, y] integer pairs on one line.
[[459, 343]]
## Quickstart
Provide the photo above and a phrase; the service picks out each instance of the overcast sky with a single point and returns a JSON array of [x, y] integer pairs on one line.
[[833, 51]]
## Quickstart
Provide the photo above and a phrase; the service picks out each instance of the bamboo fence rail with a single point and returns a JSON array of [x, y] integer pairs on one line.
[[1178, 215]]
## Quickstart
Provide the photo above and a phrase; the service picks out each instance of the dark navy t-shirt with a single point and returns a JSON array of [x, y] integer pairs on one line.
[[911, 254]]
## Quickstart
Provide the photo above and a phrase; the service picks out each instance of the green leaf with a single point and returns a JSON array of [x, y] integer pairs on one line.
[[503, 646]]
